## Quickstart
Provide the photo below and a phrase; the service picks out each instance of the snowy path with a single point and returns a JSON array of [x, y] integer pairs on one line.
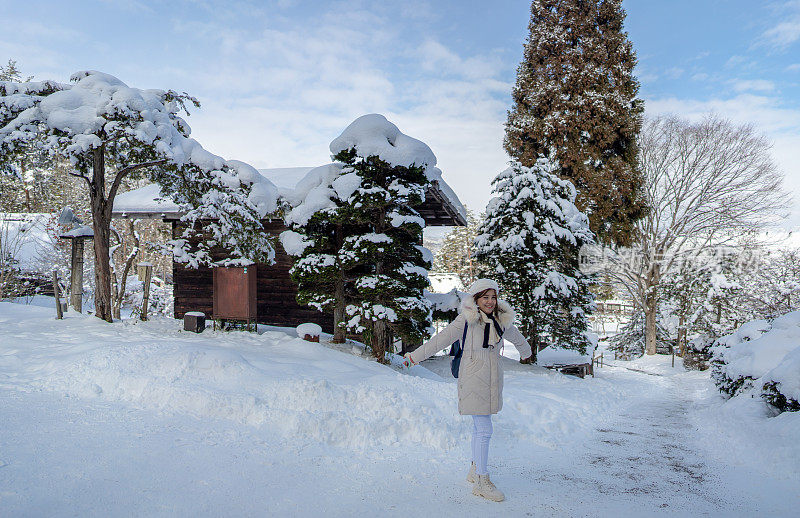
[[645, 462]]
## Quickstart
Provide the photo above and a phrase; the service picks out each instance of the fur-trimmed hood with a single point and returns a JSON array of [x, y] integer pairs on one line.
[[504, 313]]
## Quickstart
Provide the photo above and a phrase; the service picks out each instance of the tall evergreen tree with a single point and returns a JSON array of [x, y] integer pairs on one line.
[[319, 225], [359, 236], [575, 102], [390, 264], [531, 232]]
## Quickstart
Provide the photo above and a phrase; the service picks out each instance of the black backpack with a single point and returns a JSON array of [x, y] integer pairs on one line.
[[456, 350]]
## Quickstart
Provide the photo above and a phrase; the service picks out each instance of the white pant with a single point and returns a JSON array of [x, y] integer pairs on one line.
[[481, 433]]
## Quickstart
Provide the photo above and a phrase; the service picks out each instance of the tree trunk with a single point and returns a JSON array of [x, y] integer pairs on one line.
[[651, 305], [380, 331], [650, 315], [339, 332], [380, 340], [101, 221], [682, 336]]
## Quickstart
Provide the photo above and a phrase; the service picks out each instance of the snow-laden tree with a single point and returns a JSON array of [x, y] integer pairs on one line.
[[457, 254], [10, 72], [575, 103], [707, 184], [629, 342], [771, 283], [108, 132], [319, 222], [528, 241], [383, 249]]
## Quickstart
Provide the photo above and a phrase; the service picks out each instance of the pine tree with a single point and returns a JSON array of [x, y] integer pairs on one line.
[[389, 264], [457, 252], [10, 72], [575, 103], [317, 235], [531, 231]]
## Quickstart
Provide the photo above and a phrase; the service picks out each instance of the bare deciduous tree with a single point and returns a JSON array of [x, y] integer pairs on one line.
[[706, 183]]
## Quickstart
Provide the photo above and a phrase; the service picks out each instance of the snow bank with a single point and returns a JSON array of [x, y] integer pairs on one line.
[[744, 431], [761, 355], [297, 390]]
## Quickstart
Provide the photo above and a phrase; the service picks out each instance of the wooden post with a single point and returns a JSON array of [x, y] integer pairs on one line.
[[145, 273], [76, 275], [57, 295]]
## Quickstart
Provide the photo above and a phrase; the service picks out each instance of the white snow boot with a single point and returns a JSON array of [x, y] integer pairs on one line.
[[472, 476], [484, 487]]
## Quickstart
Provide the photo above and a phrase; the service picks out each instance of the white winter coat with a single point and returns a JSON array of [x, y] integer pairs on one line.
[[480, 376]]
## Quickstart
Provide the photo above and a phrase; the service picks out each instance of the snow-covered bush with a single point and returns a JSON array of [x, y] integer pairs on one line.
[[160, 302], [697, 356], [781, 385], [761, 358]]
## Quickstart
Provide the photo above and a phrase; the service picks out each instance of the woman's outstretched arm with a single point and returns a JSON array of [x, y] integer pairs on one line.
[[440, 340], [513, 335]]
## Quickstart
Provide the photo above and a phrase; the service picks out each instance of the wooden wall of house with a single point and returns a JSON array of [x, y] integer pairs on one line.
[[277, 305]]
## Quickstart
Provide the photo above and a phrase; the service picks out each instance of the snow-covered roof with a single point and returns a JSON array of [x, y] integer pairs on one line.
[[442, 206], [147, 199]]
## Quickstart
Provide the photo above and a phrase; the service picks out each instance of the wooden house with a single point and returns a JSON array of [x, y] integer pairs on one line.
[[275, 291]]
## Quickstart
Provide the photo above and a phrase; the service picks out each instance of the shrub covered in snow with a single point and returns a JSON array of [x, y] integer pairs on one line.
[[761, 358], [697, 356], [161, 300]]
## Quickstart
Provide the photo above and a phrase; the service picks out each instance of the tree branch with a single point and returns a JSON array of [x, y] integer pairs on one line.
[[124, 172]]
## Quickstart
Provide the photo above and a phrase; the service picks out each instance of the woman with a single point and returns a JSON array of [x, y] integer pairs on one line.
[[488, 321]]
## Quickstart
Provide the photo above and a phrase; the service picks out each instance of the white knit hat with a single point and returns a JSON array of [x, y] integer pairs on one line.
[[482, 284]]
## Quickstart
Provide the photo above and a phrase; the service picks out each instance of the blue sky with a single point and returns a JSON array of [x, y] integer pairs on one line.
[[278, 80]]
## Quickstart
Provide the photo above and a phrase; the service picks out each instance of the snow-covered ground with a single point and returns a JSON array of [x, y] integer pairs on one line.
[[140, 418]]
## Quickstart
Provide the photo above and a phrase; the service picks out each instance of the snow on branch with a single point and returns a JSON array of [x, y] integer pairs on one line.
[[99, 121]]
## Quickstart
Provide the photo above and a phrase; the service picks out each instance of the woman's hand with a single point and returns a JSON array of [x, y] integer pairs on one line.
[[526, 361], [408, 361]]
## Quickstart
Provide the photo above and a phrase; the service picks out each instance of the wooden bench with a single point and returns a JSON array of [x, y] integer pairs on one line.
[[574, 369]]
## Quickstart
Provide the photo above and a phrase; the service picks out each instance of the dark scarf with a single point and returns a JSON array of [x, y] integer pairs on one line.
[[487, 330]]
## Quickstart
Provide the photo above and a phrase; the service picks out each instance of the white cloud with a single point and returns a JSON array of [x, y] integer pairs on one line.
[[783, 34], [675, 72], [756, 85], [277, 96]]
